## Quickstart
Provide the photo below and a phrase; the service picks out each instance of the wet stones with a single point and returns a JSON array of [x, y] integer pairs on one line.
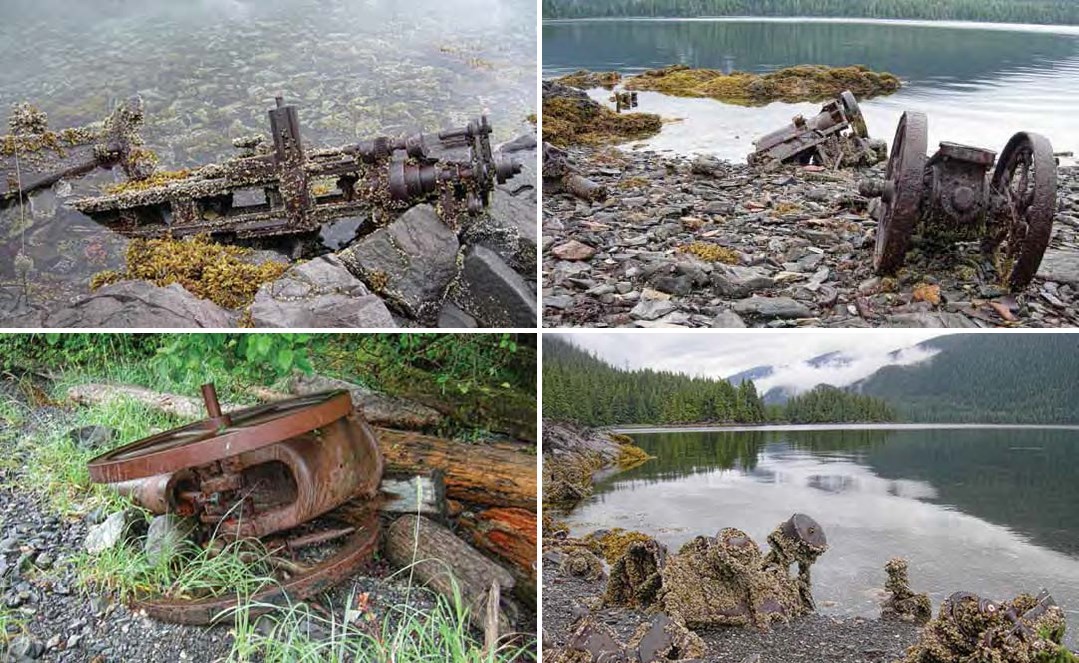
[[318, 293], [410, 262], [141, 304], [635, 579], [904, 604]]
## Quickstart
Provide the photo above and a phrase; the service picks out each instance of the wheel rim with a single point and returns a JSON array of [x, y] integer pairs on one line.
[[854, 113], [204, 442], [1024, 188], [904, 177]]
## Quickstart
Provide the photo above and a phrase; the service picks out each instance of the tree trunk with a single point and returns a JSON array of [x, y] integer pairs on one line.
[[509, 534], [445, 563]]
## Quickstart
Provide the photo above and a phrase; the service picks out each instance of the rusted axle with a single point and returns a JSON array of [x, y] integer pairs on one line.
[[559, 175]]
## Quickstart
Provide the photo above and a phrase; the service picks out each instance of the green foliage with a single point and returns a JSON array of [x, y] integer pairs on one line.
[[258, 358], [579, 387], [987, 378], [826, 404], [1002, 11]]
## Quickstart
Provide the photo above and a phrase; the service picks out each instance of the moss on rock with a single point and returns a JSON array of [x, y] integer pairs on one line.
[[804, 83], [568, 121]]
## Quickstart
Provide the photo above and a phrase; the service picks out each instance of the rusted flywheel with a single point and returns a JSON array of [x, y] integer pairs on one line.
[[854, 114], [254, 472], [1023, 187], [220, 435], [901, 194]]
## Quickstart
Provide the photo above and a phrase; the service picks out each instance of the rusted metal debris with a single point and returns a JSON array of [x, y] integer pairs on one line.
[[560, 175], [624, 101], [254, 472], [951, 197], [33, 157], [286, 189], [837, 136]]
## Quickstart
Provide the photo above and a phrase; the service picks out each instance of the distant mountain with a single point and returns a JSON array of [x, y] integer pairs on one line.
[[986, 378], [780, 395]]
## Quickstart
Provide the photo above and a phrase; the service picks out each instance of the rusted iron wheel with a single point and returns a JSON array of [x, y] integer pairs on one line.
[[355, 552], [1024, 190], [220, 437], [854, 114], [903, 187]]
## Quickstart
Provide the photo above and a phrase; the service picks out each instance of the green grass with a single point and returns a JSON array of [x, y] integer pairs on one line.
[[11, 625]]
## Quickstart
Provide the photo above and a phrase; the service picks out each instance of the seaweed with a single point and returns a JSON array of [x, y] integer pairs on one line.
[[568, 121], [585, 80], [205, 269], [804, 83]]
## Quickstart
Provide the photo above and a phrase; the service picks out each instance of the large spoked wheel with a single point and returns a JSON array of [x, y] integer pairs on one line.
[[1024, 190], [854, 114], [901, 197], [206, 441]]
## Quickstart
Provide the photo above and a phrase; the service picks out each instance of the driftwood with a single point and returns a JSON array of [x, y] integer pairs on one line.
[[444, 563], [424, 494], [511, 535]]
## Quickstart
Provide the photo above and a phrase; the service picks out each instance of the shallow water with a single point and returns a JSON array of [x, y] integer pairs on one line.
[[208, 71], [987, 510], [978, 83]]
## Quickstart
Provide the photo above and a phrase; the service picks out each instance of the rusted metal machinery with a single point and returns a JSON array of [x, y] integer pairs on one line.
[[255, 472], [836, 135], [952, 197], [33, 157], [626, 100], [559, 175], [289, 190]]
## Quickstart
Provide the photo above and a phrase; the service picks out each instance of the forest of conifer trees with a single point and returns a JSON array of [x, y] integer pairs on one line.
[[1001, 11]]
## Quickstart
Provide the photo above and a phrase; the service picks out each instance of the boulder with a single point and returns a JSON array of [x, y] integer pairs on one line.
[[490, 291], [138, 304], [318, 293], [409, 262]]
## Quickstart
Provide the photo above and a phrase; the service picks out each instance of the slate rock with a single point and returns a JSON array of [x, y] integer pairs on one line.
[[166, 536], [319, 293], [110, 533], [1061, 266], [91, 437], [130, 304], [452, 317], [772, 307], [409, 262], [490, 291], [738, 281]]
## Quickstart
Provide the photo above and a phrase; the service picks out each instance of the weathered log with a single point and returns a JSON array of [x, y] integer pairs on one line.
[[508, 533], [487, 475], [379, 409], [448, 565]]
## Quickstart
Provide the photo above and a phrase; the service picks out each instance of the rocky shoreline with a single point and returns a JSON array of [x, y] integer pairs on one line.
[[698, 242]]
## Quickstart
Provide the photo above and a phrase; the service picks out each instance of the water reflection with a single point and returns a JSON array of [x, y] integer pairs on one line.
[[987, 510], [978, 85]]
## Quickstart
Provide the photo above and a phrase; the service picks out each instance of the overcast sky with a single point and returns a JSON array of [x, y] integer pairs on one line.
[[724, 354]]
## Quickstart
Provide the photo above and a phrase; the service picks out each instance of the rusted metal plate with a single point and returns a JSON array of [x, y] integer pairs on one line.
[[823, 139], [356, 551]]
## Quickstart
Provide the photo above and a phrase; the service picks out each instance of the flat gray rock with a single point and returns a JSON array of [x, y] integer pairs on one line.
[[728, 320], [772, 307], [493, 293], [139, 304], [319, 293], [1061, 266], [930, 320], [409, 262], [738, 281], [651, 309]]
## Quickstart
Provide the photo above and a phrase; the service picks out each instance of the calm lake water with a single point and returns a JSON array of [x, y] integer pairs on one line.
[[987, 510], [208, 70], [978, 83]]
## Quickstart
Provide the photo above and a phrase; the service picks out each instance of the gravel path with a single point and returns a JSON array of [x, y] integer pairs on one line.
[[803, 244]]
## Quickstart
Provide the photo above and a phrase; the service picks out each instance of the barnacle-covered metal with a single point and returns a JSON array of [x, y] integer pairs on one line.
[[952, 197], [33, 157], [283, 188], [836, 136]]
